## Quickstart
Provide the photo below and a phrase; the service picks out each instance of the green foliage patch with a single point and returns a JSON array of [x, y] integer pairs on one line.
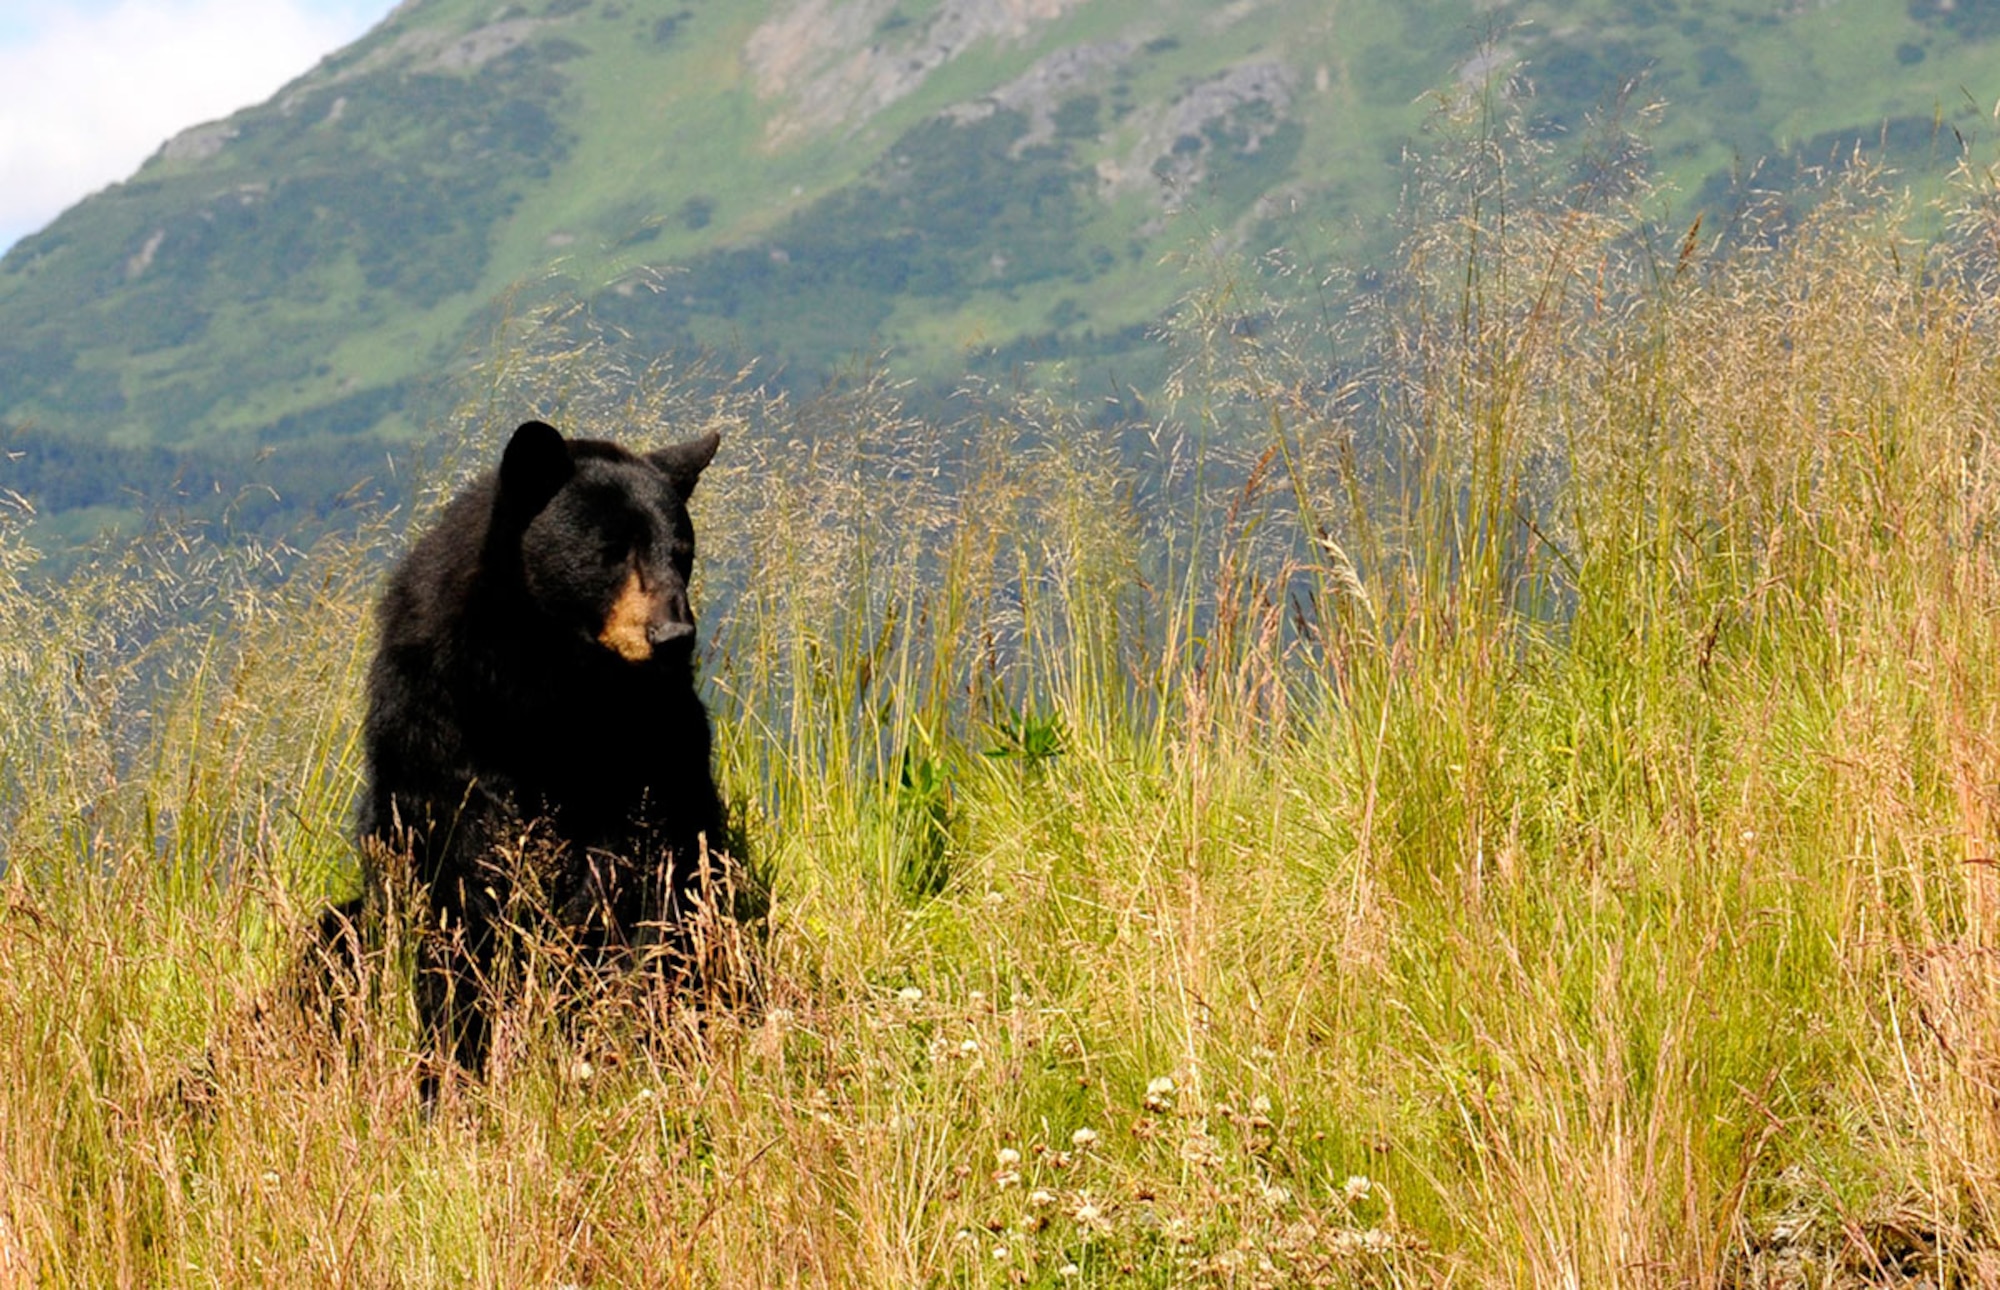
[[952, 208]]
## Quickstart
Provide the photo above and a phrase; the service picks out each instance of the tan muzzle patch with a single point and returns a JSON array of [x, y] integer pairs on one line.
[[626, 627]]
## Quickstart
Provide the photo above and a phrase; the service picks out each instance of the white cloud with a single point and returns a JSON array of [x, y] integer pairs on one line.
[[92, 89]]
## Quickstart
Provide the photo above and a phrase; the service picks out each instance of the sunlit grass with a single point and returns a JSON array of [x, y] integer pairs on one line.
[[1500, 790]]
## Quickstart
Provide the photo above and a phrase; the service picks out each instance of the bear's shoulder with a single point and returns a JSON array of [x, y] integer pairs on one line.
[[432, 586]]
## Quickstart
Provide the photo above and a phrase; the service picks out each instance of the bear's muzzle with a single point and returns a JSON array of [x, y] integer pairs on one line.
[[676, 621], [645, 615]]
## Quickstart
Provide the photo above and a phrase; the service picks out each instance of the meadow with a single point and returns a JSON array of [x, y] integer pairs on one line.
[[1497, 787]]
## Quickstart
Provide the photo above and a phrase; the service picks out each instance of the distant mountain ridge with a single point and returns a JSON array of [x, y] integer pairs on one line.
[[957, 181]]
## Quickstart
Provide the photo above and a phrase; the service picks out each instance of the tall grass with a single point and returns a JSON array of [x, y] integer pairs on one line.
[[1500, 790]]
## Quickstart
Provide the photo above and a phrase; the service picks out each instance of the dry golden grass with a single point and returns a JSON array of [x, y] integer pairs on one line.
[[1518, 810]]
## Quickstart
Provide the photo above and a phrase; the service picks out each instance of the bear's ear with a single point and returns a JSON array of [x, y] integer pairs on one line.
[[533, 469], [682, 462]]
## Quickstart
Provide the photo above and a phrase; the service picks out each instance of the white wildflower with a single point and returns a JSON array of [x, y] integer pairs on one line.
[[1200, 1149]]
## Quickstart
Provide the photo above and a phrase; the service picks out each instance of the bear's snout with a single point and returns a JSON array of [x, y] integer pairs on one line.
[[676, 620], [644, 615]]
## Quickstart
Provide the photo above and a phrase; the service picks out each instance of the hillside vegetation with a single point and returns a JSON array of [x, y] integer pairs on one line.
[[1557, 851], [980, 186]]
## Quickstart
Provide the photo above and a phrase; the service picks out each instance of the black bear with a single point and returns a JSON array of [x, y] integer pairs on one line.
[[533, 690]]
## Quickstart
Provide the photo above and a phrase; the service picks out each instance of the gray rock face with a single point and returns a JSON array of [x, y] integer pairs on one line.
[[834, 63], [198, 143], [426, 49], [1040, 90], [1163, 157], [480, 46]]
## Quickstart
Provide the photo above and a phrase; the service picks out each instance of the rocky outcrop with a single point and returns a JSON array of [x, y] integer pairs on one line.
[[1171, 153], [426, 49], [198, 143], [1040, 90], [478, 47], [838, 62]]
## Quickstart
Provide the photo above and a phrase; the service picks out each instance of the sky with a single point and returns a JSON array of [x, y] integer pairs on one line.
[[94, 87]]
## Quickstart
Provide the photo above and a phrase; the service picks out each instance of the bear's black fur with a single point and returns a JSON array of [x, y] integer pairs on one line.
[[533, 688]]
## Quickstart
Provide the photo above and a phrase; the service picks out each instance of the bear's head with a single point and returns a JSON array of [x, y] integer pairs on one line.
[[604, 542]]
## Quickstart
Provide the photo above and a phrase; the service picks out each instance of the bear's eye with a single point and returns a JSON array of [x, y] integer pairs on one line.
[[623, 546]]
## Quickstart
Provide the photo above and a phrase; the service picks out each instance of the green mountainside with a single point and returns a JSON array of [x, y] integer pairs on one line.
[[960, 183]]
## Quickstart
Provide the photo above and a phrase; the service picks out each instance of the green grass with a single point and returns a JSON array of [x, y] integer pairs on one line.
[[1527, 819], [317, 257]]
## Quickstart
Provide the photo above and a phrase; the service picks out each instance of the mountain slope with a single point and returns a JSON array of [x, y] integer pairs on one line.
[[814, 179]]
